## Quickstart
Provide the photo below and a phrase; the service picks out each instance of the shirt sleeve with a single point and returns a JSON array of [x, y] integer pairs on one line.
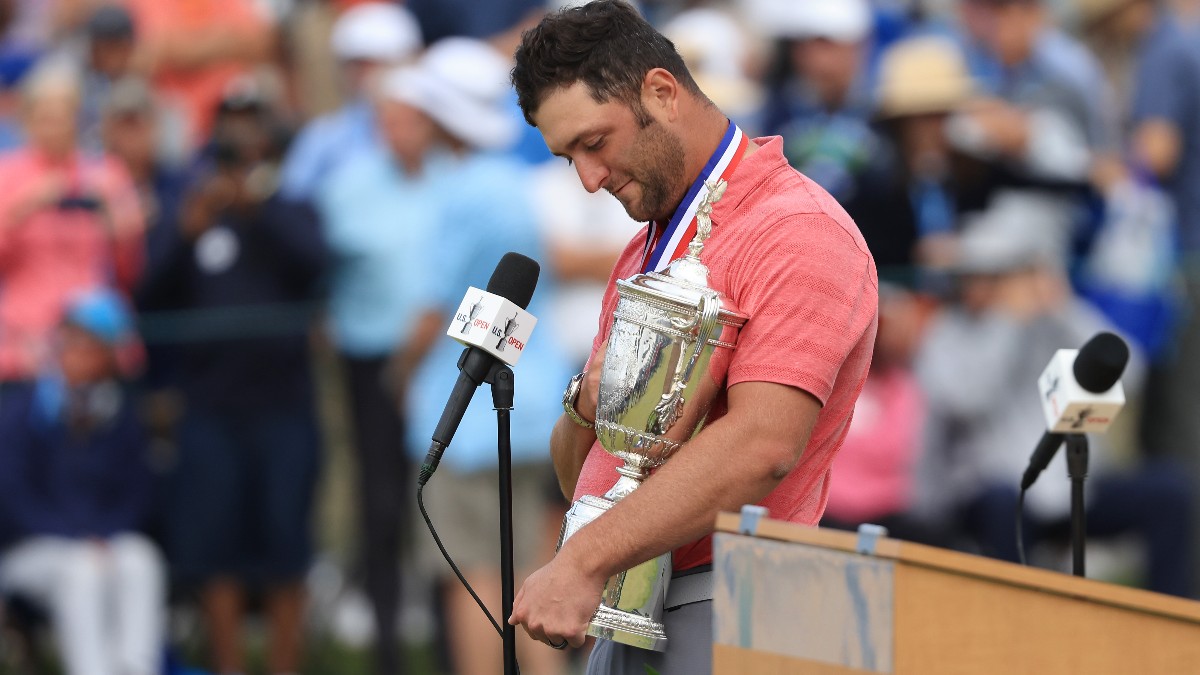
[[811, 295]]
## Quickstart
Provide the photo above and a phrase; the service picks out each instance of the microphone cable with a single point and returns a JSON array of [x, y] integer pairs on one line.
[[445, 554]]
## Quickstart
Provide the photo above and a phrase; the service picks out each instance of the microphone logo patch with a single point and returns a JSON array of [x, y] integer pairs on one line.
[[510, 325]]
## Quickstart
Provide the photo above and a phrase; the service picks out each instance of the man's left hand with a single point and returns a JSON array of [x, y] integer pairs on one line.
[[556, 602]]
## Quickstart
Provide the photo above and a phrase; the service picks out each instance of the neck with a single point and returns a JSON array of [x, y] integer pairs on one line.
[[706, 132]]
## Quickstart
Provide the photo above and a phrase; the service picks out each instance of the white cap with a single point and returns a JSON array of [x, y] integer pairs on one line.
[[376, 31], [463, 85], [837, 20]]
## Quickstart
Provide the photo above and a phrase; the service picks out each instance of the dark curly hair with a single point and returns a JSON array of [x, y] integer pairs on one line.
[[604, 43]]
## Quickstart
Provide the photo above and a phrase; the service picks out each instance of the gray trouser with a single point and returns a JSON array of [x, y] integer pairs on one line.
[[689, 647]]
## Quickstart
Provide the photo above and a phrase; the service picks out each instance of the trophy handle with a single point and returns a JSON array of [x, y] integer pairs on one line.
[[670, 406]]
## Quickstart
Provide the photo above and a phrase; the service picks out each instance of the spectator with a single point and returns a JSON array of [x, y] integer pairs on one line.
[[458, 93], [1049, 110], [377, 211], [245, 261], [67, 222], [1165, 150], [75, 491], [584, 233], [1165, 153], [192, 50], [110, 45], [874, 475], [367, 38], [819, 100], [1016, 310], [130, 131], [923, 82], [724, 60]]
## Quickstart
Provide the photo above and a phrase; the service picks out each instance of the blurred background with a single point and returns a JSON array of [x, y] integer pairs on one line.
[[233, 233]]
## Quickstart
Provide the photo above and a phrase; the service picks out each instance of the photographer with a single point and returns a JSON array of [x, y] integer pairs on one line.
[[67, 222], [244, 263]]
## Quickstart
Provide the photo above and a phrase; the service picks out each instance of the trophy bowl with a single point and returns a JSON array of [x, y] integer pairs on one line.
[[666, 360]]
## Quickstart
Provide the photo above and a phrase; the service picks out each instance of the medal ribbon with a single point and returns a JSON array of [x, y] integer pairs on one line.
[[665, 244]]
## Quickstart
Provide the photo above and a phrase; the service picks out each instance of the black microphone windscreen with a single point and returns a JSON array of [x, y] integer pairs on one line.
[[515, 278], [1100, 362]]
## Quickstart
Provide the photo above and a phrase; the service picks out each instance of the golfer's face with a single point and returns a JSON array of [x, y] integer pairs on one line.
[[640, 164]]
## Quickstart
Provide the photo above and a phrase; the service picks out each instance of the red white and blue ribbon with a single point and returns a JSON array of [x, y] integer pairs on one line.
[[666, 243]]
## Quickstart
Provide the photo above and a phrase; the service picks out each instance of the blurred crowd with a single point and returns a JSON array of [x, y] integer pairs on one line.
[[217, 216]]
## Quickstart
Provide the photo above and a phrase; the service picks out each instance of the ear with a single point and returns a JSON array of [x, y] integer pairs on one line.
[[660, 93]]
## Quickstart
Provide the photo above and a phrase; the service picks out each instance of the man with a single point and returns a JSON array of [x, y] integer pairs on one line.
[[342, 164], [75, 491], [823, 109], [612, 96], [239, 512], [1015, 309], [1050, 113], [193, 50], [1165, 153], [367, 39], [67, 222]]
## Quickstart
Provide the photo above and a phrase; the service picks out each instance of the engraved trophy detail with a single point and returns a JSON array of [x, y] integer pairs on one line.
[[657, 382]]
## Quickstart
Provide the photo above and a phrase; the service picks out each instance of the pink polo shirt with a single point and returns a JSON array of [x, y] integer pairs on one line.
[[791, 258], [54, 253]]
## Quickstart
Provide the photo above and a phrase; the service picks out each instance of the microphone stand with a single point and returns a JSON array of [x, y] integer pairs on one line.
[[503, 388], [1077, 466]]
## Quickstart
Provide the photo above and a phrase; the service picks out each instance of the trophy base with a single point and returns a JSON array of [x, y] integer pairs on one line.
[[631, 606], [628, 629]]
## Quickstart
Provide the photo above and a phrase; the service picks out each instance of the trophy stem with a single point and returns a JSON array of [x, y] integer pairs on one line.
[[631, 478]]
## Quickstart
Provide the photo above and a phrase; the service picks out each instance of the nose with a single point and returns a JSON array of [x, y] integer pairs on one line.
[[592, 174]]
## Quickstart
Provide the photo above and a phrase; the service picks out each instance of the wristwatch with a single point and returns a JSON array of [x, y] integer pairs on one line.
[[570, 396]]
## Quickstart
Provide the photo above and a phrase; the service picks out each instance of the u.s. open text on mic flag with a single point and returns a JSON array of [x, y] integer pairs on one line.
[[492, 323]]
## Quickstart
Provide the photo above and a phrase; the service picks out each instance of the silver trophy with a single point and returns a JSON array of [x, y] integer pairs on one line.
[[656, 385]]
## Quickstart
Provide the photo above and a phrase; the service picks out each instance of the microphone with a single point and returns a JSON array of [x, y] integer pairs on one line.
[[512, 283], [1081, 393]]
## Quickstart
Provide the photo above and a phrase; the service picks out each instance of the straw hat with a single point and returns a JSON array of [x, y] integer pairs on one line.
[[920, 76]]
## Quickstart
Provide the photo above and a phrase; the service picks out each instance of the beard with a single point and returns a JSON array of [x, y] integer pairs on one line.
[[656, 166]]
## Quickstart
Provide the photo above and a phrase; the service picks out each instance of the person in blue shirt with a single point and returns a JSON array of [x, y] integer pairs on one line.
[[240, 273], [1164, 151], [376, 210], [1050, 111], [367, 39], [75, 488], [456, 97]]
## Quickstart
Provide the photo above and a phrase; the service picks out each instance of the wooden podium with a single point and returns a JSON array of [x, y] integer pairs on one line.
[[790, 599]]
